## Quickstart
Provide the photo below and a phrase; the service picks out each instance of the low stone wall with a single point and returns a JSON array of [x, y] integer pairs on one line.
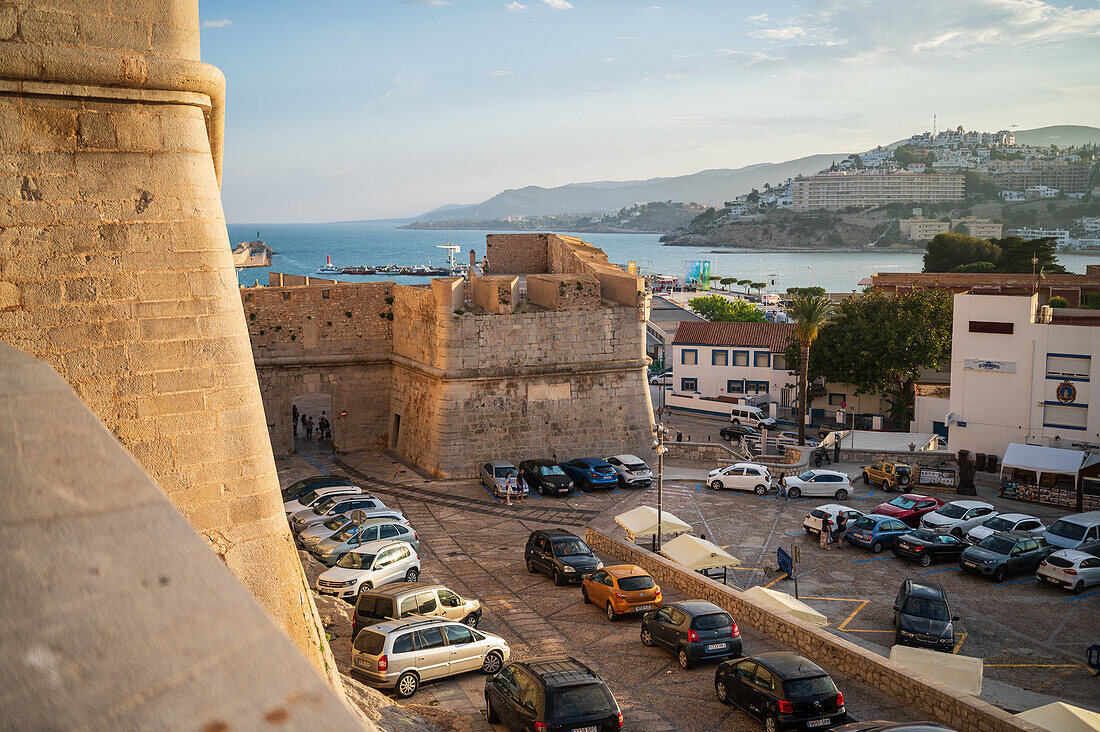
[[717, 452], [925, 458], [936, 700]]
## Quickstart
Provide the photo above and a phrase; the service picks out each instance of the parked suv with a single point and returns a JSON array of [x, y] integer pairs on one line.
[[561, 555], [312, 496], [1005, 553], [401, 654], [632, 471], [401, 599], [783, 690], [958, 517], [371, 565], [889, 476], [923, 618], [329, 551], [294, 491], [333, 505], [695, 630], [552, 693], [589, 473]]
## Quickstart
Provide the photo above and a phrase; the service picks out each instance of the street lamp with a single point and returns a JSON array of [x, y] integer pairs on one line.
[[660, 432]]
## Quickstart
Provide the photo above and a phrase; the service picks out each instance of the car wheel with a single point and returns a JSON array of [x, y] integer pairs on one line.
[[736, 421], [683, 659], [866, 479], [365, 587], [531, 567], [717, 485], [584, 595], [407, 684], [903, 480], [611, 613], [647, 639], [1079, 587], [761, 489], [876, 547], [412, 574], [722, 692], [490, 713], [471, 620], [841, 494], [957, 533], [999, 574], [794, 492], [808, 530], [492, 663], [771, 724], [558, 580], [925, 560]]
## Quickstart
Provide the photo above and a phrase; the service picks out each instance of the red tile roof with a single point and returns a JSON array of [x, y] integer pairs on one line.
[[773, 336]]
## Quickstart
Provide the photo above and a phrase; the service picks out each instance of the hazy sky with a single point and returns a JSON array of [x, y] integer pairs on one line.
[[351, 109]]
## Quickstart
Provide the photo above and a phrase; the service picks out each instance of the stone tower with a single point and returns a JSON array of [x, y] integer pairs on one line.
[[115, 267]]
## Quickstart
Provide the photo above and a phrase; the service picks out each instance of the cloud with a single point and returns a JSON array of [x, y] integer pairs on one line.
[[784, 33], [515, 7], [609, 59], [400, 88], [762, 18], [502, 73], [558, 4], [427, 3], [223, 23], [679, 74], [730, 57]]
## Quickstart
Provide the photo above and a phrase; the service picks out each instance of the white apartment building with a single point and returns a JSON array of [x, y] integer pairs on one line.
[[1060, 236], [1041, 192], [1021, 373], [1012, 196], [839, 190]]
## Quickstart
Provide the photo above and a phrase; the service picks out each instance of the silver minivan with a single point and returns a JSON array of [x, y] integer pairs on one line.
[[404, 599], [1070, 532], [402, 654]]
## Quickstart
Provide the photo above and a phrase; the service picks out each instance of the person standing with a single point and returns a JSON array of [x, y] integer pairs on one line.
[[322, 429], [841, 530], [308, 422], [294, 419], [823, 536]]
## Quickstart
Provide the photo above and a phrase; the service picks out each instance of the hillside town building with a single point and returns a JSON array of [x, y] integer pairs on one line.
[[921, 229], [840, 190], [1073, 287]]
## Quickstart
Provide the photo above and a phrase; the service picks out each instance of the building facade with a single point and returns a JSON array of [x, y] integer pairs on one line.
[[840, 190], [1073, 287]]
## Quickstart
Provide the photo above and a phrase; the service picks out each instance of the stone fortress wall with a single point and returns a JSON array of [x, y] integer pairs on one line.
[[467, 371]]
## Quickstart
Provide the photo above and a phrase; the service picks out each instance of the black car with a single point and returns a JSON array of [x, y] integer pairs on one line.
[[883, 726], [545, 477], [783, 690], [294, 491], [927, 546], [695, 630], [550, 694], [1005, 553], [561, 555], [737, 431], [923, 618]]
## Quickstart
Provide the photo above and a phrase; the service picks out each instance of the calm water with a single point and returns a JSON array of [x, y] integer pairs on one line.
[[301, 249]]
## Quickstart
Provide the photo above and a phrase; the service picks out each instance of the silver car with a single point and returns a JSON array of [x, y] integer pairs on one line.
[[633, 472], [329, 551], [501, 478], [319, 532], [330, 506], [402, 654], [1005, 522]]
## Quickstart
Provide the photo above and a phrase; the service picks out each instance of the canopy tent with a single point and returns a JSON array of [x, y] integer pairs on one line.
[[959, 672], [698, 554], [785, 603], [642, 521], [1043, 459], [1062, 717]]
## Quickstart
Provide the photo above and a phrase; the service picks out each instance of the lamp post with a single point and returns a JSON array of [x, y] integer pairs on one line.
[[660, 432]]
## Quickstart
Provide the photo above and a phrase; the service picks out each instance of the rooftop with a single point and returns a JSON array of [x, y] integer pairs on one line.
[[773, 336]]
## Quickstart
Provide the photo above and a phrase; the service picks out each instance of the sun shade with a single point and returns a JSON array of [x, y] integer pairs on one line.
[[959, 672], [1043, 459], [695, 553], [1062, 717], [785, 603], [642, 521]]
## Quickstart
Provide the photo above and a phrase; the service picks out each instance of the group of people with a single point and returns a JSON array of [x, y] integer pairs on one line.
[[833, 531], [322, 425]]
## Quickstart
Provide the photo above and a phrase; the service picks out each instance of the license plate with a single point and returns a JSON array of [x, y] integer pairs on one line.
[[643, 607], [584, 729], [971, 564], [716, 646], [903, 545], [819, 722]]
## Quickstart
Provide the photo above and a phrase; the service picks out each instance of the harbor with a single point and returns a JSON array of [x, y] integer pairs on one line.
[[452, 269]]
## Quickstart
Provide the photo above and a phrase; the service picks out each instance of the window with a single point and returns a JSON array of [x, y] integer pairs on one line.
[[762, 359], [390, 531], [1065, 366], [740, 358], [735, 386], [408, 605], [458, 635], [746, 670], [449, 599], [719, 358], [1091, 486], [984, 326], [779, 362], [756, 387], [689, 384], [404, 644], [689, 357], [430, 638], [1065, 415], [835, 400], [427, 602], [764, 678]]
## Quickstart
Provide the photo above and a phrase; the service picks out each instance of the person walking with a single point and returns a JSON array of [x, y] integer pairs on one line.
[[323, 434], [823, 536], [782, 487], [308, 422], [294, 419]]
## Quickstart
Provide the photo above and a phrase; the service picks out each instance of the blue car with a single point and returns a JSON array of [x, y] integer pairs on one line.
[[876, 532], [588, 473]]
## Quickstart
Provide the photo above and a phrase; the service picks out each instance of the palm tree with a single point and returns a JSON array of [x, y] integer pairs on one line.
[[810, 313]]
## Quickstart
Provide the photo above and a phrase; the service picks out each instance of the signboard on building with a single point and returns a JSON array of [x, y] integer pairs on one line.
[[937, 476], [984, 364], [632, 268], [697, 273]]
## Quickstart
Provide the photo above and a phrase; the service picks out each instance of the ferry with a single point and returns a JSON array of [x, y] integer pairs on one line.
[[329, 267]]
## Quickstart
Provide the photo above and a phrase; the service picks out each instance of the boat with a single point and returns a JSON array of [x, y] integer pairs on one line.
[[329, 267]]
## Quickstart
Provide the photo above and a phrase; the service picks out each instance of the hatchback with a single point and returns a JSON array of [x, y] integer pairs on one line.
[[1074, 569], [561, 555], [819, 483], [329, 551], [632, 471], [783, 690], [334, 505], [621, 589], [402, 599], [908, 508], [295, 491], [922, 617], [1005, 553], [958, 517], [499, 476], [551, 694], [1005, 522], [369, 566], [737, 431], [402, 654], [926, 546], [875, 532], [812, 523], [588, 473], [741, 477], [545, 477], [312, 496], [695, 630]]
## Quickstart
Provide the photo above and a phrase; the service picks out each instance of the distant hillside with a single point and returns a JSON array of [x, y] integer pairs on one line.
[[645, 218], [1060, 135]]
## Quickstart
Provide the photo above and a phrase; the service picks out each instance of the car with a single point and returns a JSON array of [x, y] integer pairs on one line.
[[317, 533], [402, 599], [741, 477], [632, 471], [1069, 532], [751, 416], [333, 505], [588, 473], [737, 431], [908, 508], [312, 496], [499, 476], [790, 437], [875, 532], [826, 428], [1005, 553], [561, 555], [551, 693], [812, 523], [695, 630], [369, 566], [784, 690], [329, 551], [621, 589], [1074, 569], [295, 490], [402, 654], [545, 477], [888, 475], [922, 617], [958, 517], [926, 546], [662, 379], [819, 482], [1006, 522], [880, 725]]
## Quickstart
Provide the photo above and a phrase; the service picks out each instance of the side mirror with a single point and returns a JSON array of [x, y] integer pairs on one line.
[[897, 608], [954, 618]]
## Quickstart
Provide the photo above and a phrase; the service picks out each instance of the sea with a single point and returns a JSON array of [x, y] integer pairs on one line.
[[302, 248]]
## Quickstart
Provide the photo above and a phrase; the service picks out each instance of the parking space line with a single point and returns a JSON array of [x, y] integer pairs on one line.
[[873, 559], [780, 577], [1079, 597], [1014, 582], [933, 571], [395, 474], [1033, 665], [862, 604], [490, 492], [958, 643]]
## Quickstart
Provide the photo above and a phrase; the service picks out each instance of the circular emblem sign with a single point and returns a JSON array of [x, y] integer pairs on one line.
[[1067, 392]]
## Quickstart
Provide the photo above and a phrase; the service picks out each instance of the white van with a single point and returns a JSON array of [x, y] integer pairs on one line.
[[751, 416], [1070, 532]]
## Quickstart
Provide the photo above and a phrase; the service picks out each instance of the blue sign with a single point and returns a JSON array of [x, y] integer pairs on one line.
[[786, 564], [1092, 657]]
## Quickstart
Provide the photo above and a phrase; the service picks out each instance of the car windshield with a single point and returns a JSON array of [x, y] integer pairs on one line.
[[863, 522], [605, 469], [951, 510], [570, 548], [373, 606], [369, 642], [579, 701], [308, 498], [1067, 530], [325, 505], [550, 470], [355, 560], [1058, 561], [504, 472], [807, 475], [813, 686], [999, 524], [903, 502], [335, 522], [634, 466], [818, 513], [346, 533], [291, 489], [712, 621], [997, 544], [633, 584], [924, 607]]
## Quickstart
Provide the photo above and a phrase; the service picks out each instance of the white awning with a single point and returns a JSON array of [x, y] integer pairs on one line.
[[1062, 717], [697, 554], [1043, 459], [642, 521], [785, 603]]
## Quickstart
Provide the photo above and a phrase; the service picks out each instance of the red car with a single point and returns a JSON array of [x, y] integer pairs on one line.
[[908, 508]]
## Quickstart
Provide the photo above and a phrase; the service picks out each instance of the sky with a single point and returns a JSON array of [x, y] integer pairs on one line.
[[364, 109]]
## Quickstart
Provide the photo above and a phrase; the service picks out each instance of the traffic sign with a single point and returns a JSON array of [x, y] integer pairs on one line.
[[1092, 658], [786, 563]]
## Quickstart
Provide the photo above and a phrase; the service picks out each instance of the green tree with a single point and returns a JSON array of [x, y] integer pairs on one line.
[[947, 251], [904, 156], [1058, 302], [718, 309], [810, 314], [976, 267], [1017, 253], [815, 291]]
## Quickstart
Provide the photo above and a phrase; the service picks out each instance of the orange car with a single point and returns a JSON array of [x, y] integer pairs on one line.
[[621, 589]]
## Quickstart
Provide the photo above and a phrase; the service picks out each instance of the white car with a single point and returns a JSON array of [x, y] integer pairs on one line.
[[1073, 569], [812, 523], [369, 566], [309, 499], [790, 437], [1005, 522], [633, 472], [958, 517], [330, 506], [662, 379], [818, 482], [741, 477]]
